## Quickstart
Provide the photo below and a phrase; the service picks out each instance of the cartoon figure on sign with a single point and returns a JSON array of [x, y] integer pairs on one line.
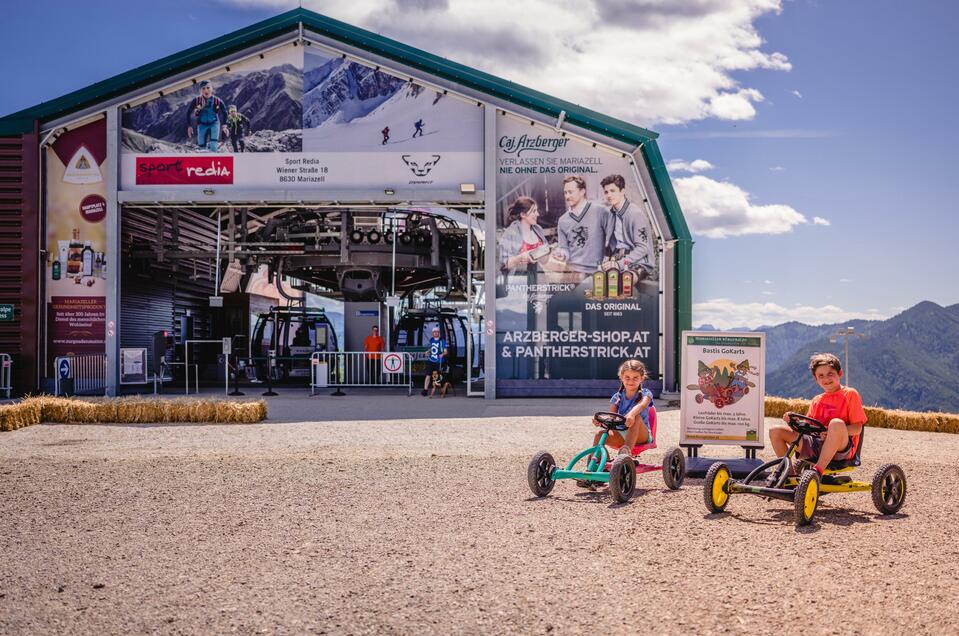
[[723, 382]]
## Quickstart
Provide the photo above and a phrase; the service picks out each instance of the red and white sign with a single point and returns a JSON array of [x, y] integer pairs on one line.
[[393, 363], [184, 170]]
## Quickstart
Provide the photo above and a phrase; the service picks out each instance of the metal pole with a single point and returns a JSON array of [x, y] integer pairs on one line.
[[846, 362], [216, 275]]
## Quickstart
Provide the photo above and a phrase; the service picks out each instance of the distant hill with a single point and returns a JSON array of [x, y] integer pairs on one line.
[[909, 361]]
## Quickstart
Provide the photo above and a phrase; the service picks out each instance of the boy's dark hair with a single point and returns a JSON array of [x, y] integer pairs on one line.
[[614, 179], [819, 359]]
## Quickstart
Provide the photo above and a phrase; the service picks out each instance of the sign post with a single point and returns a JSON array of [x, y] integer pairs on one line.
[[393, 363], [723, 396]]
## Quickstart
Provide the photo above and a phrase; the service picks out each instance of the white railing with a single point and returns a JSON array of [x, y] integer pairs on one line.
[[6, 373], [354, 368], [87, 374]]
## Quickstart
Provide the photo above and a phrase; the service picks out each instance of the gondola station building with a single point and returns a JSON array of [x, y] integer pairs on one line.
[[294, 184]]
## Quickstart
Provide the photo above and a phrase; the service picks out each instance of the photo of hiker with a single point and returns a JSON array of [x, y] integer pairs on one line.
[[264, 95], [238, 126], [208, 114], [630, 243], [353, 107]]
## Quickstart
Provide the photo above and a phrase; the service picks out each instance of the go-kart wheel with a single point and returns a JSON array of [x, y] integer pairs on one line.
[[539, 474], [716, 487], [889, 489], [806, 498], [622, 478], [674, 468]]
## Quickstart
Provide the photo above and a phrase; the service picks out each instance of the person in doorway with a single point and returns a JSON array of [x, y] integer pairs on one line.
[[237, 125], [522, 243], [209, 113], [386, 135], [419, 128], [374, 346], [582, 230], [437, 356], [630, 241]]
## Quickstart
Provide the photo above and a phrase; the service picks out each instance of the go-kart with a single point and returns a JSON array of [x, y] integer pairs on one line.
[[619, 471], [888, 483]]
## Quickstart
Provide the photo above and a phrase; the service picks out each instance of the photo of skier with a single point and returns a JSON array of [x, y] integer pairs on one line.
[[237, 125], [419, 128], [209, 112], [386, 135]]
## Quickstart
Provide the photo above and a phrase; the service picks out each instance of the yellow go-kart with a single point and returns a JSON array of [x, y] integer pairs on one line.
[[888, 484]]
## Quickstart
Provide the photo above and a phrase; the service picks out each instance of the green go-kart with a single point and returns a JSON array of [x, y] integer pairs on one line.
[[888, 486], [619, 471]]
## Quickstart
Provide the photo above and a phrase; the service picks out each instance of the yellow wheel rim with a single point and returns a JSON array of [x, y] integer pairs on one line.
[[719, 488], [812, 496]]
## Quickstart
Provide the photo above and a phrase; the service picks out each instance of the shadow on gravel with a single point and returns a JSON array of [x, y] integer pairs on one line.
[[824, 516]]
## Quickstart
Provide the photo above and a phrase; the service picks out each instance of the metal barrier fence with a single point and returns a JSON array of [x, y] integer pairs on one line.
[[353, 368], [6, 373], [84, 374]]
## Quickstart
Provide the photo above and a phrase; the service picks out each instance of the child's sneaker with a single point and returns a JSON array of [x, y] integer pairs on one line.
[[585, 483], [624, 450]]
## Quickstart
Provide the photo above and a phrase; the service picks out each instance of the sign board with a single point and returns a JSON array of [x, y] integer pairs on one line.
[[133, 366], [393, 363], [216, 301], [392, 301], [6, 313], [321, 373], [227, 345], [723, 388], [64, 368]]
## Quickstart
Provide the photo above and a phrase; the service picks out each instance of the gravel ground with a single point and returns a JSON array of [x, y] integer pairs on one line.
[[426, 526]]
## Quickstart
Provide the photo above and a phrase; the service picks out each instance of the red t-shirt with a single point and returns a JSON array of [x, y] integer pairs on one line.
[[529, 247], [844, 404]]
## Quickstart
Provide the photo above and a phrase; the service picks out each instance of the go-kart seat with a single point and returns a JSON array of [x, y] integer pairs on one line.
[[852, 462], [639, 448]]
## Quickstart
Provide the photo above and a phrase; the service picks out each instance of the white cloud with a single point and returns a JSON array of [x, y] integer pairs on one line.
[[716, 209], [723, 313], [766, 292], [818, 220], [767, 282], [696, 165], [645, 61], [845, 280], [797, 94], [776, 168]]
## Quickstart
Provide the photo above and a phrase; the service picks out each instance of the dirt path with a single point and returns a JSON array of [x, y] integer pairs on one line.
[[427, 527]]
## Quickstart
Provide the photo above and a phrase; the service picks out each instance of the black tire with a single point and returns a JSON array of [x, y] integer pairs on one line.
[[716, 477], [806, 499], [674, 468], [889, 489], [622, 478], [539, 474]]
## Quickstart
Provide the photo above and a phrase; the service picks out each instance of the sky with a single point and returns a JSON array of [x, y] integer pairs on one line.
[[810, 142]]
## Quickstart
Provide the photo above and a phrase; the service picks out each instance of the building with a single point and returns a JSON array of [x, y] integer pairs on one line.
[[367, 173]]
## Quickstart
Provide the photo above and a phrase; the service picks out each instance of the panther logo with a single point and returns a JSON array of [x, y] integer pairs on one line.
[[421, 167]]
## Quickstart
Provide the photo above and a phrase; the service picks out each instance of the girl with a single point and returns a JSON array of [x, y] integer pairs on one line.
[[521, 242], [633, 402]]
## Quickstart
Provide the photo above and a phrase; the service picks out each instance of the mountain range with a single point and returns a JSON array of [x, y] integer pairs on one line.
[[909, 361]]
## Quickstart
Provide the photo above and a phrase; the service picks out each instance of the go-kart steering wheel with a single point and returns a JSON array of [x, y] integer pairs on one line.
[[611, 421], [805, 425]]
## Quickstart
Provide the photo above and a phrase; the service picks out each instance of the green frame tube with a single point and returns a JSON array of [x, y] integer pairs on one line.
[[593, 470]]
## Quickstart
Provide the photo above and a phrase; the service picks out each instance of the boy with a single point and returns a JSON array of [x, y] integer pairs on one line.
[[441, 381], [837, 407]]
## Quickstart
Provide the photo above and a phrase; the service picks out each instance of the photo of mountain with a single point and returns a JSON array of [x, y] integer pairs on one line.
[[349, 107], [267, 116]]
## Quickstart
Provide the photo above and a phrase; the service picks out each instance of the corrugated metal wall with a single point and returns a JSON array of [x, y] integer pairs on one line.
[[20, 253], [156, 296]]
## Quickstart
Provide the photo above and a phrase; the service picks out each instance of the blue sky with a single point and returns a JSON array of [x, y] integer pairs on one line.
[[832, 110]]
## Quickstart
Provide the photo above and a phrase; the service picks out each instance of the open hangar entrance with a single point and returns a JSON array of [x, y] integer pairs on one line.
[[292, 150], [287, 280]]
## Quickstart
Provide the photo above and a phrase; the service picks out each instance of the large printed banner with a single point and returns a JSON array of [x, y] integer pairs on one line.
[[723, 388], [302, 119], [77, 261], [577, 288]]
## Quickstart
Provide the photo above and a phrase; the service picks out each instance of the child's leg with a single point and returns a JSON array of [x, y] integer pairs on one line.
[[837, 437], [636, 434], [781, 437]]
